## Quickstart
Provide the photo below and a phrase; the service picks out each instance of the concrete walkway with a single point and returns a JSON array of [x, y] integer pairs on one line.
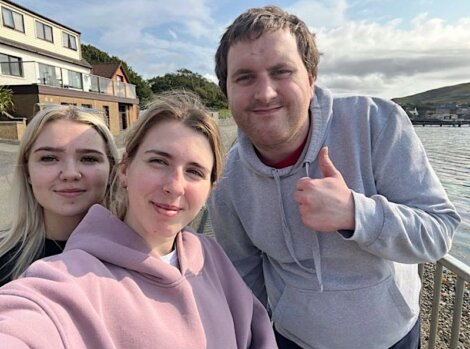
[[8, 152]]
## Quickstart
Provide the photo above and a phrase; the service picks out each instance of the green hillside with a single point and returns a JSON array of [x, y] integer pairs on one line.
[[459, 94]]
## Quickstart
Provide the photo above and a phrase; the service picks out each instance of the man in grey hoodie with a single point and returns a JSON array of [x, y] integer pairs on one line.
[[327, 204]]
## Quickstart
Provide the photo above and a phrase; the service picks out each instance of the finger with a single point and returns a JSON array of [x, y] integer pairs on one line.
[[327, 167], [302, 183]]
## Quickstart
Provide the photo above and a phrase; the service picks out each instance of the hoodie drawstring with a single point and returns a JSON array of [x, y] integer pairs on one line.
[[288, 235]]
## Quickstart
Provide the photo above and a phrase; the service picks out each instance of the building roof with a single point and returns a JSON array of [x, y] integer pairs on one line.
[[108, 70]]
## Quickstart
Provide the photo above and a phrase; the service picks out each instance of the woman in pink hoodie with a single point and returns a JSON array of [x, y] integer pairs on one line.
[[138, 277]]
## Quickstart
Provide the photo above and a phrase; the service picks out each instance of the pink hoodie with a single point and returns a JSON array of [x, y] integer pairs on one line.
[[107, 291]]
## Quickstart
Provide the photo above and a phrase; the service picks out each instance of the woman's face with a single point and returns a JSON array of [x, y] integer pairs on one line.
[[68, 169], [168, 181]]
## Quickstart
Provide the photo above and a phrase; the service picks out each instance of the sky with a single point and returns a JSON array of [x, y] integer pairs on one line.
[[386, 48]]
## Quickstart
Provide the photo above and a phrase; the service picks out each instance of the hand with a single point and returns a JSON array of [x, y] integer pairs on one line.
[[326, 204]]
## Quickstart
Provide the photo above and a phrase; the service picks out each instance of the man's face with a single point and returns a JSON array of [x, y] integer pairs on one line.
[[269, 92]]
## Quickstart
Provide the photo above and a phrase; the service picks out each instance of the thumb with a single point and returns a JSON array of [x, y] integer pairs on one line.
[[327, 167]]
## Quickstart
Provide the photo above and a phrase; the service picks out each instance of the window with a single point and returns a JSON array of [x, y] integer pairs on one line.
[[69, 41], [75, 79], [49, 75], [12, 19], [44, 31], [106, 115], [11, 65]]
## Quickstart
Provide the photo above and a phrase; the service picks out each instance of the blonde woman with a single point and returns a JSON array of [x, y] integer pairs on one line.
[[140, 278], [64, 164]]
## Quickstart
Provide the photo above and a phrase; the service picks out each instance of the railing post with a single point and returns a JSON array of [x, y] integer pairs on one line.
[[436, 299], [459, 288]]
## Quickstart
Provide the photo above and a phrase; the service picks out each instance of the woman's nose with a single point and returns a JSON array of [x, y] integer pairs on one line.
[[70, 172], [174, 183]]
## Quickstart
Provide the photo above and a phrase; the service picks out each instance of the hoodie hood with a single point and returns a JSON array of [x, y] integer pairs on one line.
[[116, 243]]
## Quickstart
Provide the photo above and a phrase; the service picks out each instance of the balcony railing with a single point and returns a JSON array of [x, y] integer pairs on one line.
[[48, 75], [461, 272]]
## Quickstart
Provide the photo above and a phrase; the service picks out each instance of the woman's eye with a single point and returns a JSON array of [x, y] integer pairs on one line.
[[158, 161], [90, 159], [197, 173], [48, 158]]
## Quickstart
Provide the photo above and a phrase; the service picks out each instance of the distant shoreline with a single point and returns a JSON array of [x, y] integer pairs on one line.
[[440, 123]]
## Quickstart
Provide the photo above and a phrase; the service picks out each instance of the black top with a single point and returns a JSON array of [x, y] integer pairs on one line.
[[51, 247]]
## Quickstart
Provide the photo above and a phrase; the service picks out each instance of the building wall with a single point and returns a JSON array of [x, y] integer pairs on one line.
[[12, 129], [88, 103], [26, 106], [133, 113], [29, 37]]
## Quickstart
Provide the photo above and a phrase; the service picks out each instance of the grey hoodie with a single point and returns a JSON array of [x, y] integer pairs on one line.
[[350, 289]]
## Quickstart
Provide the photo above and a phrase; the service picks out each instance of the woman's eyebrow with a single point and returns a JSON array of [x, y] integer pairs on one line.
[[61, 150]]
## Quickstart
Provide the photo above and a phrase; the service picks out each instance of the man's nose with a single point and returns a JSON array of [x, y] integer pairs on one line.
[[265, 89]]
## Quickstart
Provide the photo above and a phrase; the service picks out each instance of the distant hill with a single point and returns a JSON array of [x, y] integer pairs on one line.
[[459, 94]]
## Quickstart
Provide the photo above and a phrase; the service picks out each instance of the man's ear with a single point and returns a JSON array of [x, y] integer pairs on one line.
[[311, 80]]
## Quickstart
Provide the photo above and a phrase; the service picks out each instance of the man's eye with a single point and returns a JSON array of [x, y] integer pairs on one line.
[[281, 72], [243, 79]]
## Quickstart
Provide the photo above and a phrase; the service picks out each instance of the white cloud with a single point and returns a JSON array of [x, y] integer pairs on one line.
[[386, 60], [173, 34], [153, 37], [390, 59], [319, 13]]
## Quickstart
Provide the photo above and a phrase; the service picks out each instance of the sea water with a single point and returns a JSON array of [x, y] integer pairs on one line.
[[448, 150]]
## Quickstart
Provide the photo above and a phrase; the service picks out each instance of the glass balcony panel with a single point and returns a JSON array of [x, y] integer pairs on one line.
[[106, 86], [120, 89]]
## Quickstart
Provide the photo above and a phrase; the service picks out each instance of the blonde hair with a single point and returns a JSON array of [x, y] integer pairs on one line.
[[181, 106], [27, 225]]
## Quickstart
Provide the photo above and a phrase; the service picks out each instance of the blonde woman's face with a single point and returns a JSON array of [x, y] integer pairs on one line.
[[68, 169], [168, 181]]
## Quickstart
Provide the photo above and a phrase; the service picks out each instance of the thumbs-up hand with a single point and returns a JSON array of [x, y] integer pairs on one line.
[[326, 204]]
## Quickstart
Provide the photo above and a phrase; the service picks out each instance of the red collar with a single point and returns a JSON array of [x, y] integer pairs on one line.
[[290, 160]]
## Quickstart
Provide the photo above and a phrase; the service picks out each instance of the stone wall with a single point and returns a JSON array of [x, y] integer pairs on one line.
[[12, 129]]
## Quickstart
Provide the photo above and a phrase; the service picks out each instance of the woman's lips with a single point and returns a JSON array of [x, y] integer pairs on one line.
[[166, 210], [70, 193]]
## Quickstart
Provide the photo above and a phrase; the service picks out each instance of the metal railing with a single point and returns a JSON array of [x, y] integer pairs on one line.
[[49, 75], [462, 274]]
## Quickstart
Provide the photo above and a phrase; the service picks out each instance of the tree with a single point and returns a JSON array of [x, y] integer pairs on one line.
[[185, 79], [6, 101], [94, 55]]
